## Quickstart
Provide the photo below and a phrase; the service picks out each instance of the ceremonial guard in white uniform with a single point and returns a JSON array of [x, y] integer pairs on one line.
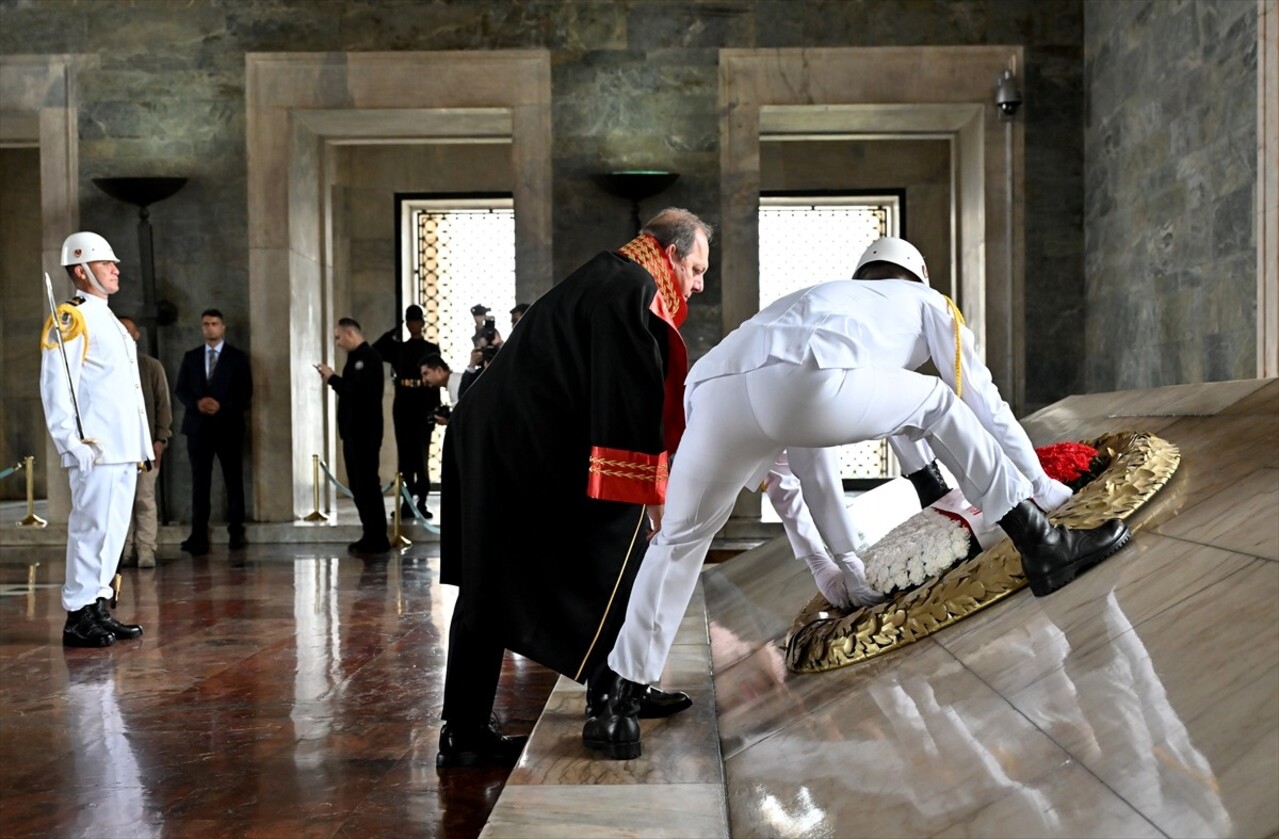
[[94, 409], [825, 366]]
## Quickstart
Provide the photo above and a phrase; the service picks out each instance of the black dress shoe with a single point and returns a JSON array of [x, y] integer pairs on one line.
[[929, 484], [195, 547], [478, 745], [616, 729], [367, 546], [655, 703], [1052, 555], [122, 631], [83, 630], [238, 542]]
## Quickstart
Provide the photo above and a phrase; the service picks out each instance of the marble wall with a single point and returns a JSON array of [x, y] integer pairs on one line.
[[162, 92], [22, 310], [1170, 138]]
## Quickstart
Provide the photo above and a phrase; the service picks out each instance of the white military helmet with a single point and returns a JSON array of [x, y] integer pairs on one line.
[[897, 251], [84, 246]]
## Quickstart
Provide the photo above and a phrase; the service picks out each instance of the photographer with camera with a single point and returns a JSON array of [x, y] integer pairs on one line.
[[484, 346], [436, 373], [486, 334]]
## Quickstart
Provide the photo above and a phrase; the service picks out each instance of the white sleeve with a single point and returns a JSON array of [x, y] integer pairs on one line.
[[977, 389], [55, 394]]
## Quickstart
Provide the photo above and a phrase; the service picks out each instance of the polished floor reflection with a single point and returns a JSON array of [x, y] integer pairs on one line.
[[1142, 700], [289, 692], [286, 691]]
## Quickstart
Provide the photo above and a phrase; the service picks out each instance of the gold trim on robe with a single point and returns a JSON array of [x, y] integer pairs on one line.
[[632, 477]]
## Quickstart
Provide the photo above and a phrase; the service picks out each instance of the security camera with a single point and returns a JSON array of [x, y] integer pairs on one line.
[[1007, 96]]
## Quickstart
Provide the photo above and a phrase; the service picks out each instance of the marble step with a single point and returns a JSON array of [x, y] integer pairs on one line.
[[676, 788]]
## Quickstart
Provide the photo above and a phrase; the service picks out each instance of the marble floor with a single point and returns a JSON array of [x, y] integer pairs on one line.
[[282, 691], [290, 691], [1141, 700]]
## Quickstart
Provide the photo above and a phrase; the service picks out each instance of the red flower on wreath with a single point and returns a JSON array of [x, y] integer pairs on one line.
[[1066, 461]]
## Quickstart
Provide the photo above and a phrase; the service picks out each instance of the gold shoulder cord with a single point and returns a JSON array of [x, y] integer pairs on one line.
[[959, 321], [71, 324]]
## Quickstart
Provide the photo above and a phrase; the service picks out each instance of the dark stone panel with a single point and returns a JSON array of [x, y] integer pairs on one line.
[[1232, 223], [1170, 160], [658, 25], [27, 28]]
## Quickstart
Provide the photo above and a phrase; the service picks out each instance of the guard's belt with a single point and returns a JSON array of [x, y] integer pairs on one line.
[[410, 383]]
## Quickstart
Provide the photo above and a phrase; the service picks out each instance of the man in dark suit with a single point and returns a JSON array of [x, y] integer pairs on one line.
[[215, 385], [359, 391]]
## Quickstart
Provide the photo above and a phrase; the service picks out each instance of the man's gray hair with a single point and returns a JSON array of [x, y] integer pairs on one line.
[[678, 227]]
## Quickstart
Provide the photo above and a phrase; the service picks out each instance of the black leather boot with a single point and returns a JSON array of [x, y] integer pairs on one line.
[[655, 703], [616, 730], [477, 745], [928, 483], [83, 630], [1052, 555], [123, 631]]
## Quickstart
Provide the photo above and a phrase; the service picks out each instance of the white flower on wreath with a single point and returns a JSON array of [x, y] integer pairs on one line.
[[924, 546]]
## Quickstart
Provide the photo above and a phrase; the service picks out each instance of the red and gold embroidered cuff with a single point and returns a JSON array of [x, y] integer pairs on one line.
[[632, 477]]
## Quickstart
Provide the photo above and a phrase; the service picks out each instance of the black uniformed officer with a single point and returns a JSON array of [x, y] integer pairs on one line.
[[414, 405], [359, 391]]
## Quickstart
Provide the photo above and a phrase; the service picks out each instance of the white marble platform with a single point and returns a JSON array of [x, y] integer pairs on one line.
[[1141, 700]]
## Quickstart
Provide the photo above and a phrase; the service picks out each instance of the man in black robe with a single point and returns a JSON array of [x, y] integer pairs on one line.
[[359, 391], [414, 407], [554, 465]]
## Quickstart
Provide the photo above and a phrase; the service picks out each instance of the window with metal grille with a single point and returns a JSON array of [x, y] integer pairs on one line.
[[806, 239], [462, 254]]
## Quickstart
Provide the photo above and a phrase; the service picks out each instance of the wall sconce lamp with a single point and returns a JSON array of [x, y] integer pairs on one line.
[[635, 185]]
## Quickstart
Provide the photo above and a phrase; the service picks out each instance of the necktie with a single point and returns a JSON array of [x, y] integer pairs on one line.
[[213, 361]]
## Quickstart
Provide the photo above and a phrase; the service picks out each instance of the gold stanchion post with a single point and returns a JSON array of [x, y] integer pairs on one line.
[[315, 514], [397, 537], [31, 589], [32, 520]]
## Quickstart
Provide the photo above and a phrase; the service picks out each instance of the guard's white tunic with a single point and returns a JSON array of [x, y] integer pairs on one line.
[[103, 366], [825, 366]]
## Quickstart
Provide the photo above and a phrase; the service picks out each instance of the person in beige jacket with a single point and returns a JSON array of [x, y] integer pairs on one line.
[[144, 526]]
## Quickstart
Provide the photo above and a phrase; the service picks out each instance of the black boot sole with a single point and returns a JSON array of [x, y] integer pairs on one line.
[[614, 751], [465, 759], [1046, 585], [87, 643]]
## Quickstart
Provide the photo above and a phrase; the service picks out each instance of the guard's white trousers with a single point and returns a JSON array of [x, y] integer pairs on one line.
[[101, 507], [739, 424]]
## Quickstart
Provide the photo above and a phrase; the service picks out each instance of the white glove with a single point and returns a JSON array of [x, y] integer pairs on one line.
[[86, 453], [829, 579], [854, 571], [1050, 494]]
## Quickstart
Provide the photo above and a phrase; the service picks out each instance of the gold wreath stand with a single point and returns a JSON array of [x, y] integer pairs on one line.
[[1140, 464]]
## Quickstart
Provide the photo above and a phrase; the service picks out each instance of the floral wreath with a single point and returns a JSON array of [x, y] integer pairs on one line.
[[1126, 471]]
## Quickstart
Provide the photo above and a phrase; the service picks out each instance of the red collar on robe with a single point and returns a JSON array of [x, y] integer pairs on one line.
[[669, 305]]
